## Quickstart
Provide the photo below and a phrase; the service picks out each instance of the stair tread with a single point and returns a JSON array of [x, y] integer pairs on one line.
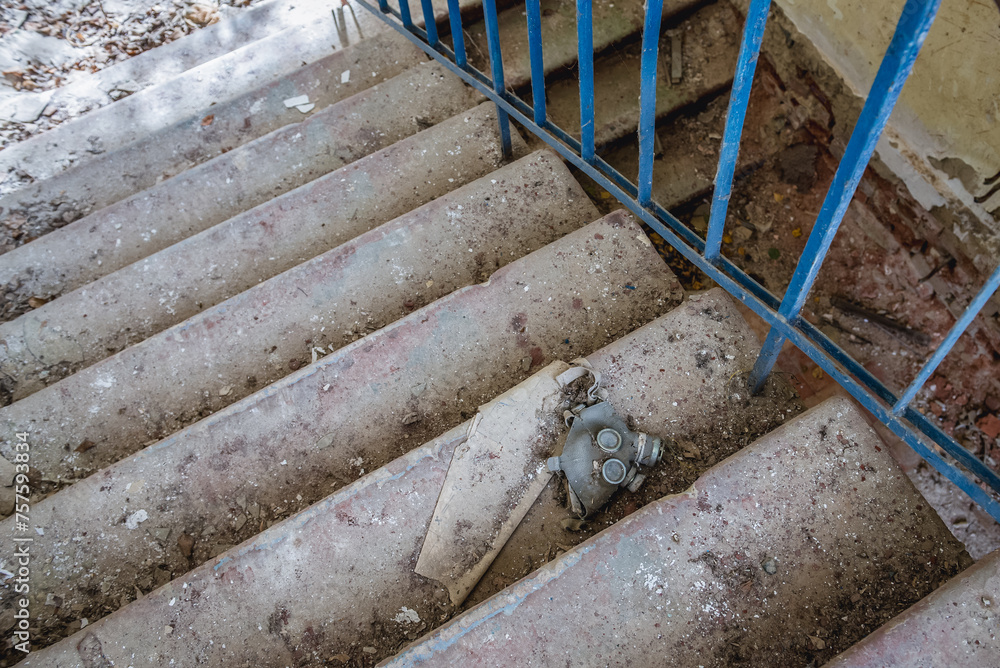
[[163, 63], [217, 127], [747, 566], [613, 21], [324, 303], [161, 105], [169, 285], [680, 378], [365, 538], [710, 39], [185, 77], [370, 532], [461, 350], [956, 625]]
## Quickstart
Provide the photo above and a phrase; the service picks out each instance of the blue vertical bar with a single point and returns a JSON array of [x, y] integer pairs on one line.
[[496, 68], [647, 99], [404, 13], [457, 37], [992, 284], [429, 25], [739, 97], [896, 66], [383, 6], [537, 64], [585, 56]]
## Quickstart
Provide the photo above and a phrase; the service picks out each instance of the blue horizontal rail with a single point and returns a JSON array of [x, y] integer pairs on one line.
[[973, 476]]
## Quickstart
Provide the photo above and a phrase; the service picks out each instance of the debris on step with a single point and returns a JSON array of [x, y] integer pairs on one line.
[[498, 472], [956, 625], [820, 498], [136, 408], [253, 447], [676, 64], [94, 49], [493, 479], [663, 379]]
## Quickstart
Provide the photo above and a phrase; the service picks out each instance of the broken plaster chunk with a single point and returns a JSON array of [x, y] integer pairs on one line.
[[306, 108], [296, 101], [500, 458], [345, 76], [7, 472], [24, 108], [135, 519], [408, 616]]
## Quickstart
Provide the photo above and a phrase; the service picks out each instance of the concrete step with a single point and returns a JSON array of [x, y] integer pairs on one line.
[[231, 183], [90, 91], [370, 532], [223, 187], [288, 445], [957, 625], [710, 39], [159, 65], [164, 150], [614, 21], [686, 168], [167, 382], [188, 93], [183, 79], [168, 286], [756, 564], [683, 379]]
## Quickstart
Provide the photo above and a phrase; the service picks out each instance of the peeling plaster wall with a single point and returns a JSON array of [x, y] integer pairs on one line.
[[944, 136]]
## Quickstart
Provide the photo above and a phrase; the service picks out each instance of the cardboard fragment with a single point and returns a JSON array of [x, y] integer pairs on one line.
[[494, 478]]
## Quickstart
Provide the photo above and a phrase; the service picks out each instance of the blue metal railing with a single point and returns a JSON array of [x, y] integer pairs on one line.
[[784, 314]]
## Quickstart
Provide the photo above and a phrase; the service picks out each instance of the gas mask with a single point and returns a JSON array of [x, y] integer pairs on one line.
[[601, 455]]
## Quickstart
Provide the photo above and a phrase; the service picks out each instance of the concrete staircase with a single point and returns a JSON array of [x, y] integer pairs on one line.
[[245, 339]]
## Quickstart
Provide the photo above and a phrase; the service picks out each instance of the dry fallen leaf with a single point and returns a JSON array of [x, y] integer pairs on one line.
[[208, 119], [202, 15], [35, 302]]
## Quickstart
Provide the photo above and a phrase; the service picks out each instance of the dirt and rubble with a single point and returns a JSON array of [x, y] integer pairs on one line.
[[896, 277], [44, 45]]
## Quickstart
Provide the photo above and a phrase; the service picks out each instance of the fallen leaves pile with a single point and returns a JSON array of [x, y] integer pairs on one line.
[[103, 38]]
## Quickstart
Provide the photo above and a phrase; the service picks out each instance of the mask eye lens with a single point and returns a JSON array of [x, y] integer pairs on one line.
[[613, 471], [609, 440]]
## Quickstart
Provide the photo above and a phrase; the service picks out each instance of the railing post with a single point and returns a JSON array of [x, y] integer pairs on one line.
[[909, 36], [647, 99], [534, 11], [739, 97], [496, 68], [585, 58], [992, 284], [404, 14], [457, 37], [429, 24]]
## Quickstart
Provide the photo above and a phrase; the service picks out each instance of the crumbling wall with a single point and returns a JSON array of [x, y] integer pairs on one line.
[[943, 139]]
